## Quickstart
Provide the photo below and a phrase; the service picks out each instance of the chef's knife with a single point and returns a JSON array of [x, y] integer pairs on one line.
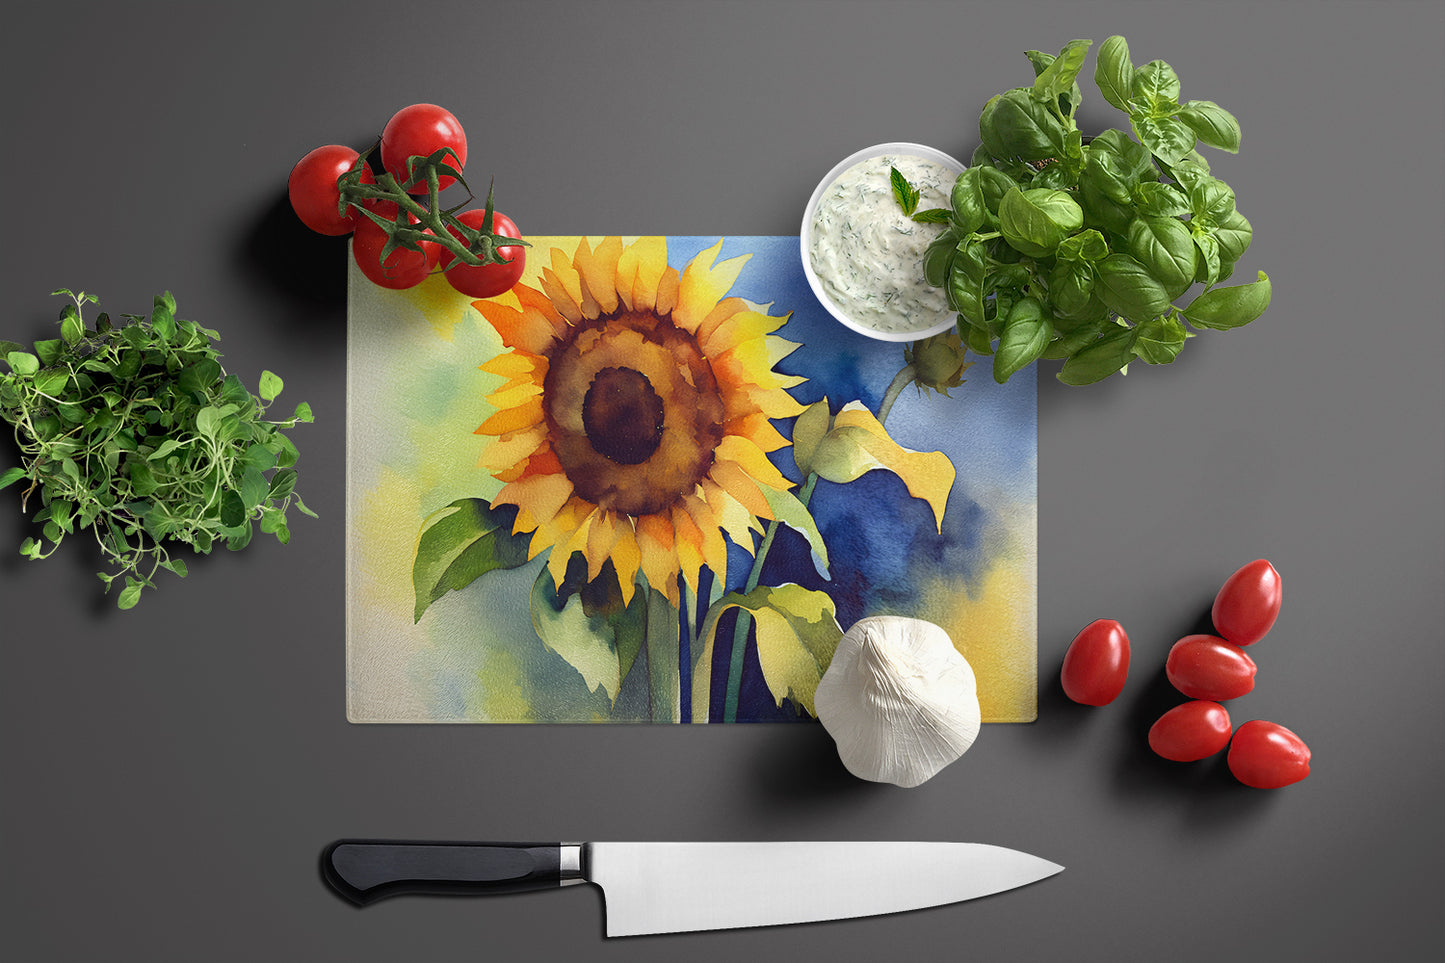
[[675, 887]]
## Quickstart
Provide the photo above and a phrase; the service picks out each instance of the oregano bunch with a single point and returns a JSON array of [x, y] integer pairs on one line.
[[1066, 248], [137, 435]]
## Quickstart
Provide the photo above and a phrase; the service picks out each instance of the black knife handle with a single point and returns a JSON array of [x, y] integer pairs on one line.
[[366, 870]]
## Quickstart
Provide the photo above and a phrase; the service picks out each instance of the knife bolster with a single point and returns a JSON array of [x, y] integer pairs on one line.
[[364, 870]]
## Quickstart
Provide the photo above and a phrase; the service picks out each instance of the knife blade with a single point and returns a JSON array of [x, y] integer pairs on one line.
[[670, 887]]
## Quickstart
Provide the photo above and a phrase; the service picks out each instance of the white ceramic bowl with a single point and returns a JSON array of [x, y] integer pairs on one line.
[[947, 318]]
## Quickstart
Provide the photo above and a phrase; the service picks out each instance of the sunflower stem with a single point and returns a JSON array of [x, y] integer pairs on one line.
[[900, 381]]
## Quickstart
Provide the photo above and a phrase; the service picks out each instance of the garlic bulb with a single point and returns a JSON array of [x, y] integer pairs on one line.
[[899, 700]]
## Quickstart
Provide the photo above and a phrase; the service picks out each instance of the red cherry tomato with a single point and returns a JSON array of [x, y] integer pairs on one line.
[[486, 280], [1266, 755], [1192, 731], [1097, 663], [421, 130], [1247, 605], [1206, 667], [313, 192], [403, 268]]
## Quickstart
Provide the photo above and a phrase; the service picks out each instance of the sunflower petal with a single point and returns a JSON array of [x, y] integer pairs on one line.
[[655, 542], [724, 329], [736, 521], [756, 427], [508, 449], [651, 254], [689, 545], [667, 292], [599, 273], [752, 459], [602, 534], [540, 496], [590, 306], [528, 330], [702, 286], [523, 416], [714, 549], [740, 486], [533, 300], [626, 558]]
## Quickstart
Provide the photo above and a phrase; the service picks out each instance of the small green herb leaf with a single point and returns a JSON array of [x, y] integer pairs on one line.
[[270, 387], [903, 192]]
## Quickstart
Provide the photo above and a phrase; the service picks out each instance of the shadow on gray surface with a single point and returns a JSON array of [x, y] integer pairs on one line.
[[296, 262]]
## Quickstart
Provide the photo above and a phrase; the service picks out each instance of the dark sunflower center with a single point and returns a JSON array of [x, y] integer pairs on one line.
[[623, 416]]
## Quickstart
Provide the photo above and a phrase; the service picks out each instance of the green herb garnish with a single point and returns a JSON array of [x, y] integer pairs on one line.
[[138, 435]]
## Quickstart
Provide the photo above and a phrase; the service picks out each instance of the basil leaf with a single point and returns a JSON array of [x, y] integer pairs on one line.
[[1168, 139], [1057, 78], [1209, 260], [1114, 72], [1165, 247], [1071, 287], [1025, 335], [938, 258], [1159, 340], [1100, 359], [1160, 200], [1232, 307], [1071, 339], [1212, 124], [1128, 288], [1233, 235], [1088, 245], [970, 211], [1156, 88], [1035, 221], [1015, 125], [966, 278]]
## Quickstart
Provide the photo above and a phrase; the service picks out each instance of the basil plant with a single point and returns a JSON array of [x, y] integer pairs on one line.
[[1062, 249]]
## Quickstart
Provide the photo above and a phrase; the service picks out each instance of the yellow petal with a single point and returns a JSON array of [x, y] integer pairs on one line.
[[738, 485], [533, 300], [689, 545], [752, 459], [717, 334], [758, 429], [658, 557], [513, 394], [626, 557], [651, 254], [667, 292], [513, 447], [589, 304], [599, 273], [540, 496], [702, 286], [525, 415], [736, 521], [714, 549], [529, 330], [602, 534]]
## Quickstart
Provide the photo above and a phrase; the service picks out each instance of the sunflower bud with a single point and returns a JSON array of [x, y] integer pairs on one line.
[[938, 362]]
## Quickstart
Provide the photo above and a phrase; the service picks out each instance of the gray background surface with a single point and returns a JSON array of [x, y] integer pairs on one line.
[[171, 774]]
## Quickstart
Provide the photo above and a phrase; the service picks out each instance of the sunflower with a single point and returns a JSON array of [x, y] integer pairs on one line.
[[633, 423]]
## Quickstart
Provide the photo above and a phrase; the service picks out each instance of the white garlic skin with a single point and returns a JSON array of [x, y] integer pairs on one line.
[[899, 700]]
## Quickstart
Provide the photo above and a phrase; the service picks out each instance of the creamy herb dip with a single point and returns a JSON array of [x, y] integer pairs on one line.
[[868, 254]]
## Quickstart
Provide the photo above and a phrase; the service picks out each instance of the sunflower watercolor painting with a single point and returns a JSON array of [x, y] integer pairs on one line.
[[655, 481]]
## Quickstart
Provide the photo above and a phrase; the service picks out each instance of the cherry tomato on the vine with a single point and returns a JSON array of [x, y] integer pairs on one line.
[[1190, 731], [1248, 603], [313, 192], [1097, 663], [1266, 755], [403, 268], [1207, 667], [421, 130], [486, 280]]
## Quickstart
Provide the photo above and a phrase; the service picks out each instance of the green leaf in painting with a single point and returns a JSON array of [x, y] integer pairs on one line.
[[797, 633], [461, 543], [858, 443], [588, 626], [808, 431], [791, 512]]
